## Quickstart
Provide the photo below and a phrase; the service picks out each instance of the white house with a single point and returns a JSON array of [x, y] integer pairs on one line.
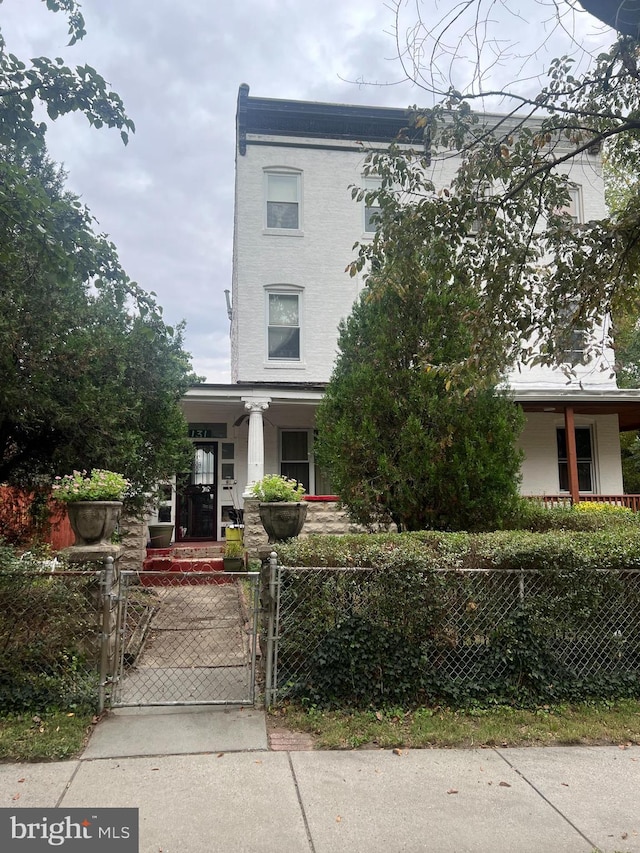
[[294, 229]]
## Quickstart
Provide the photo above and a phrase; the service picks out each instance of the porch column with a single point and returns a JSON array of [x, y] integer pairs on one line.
[[572, 458], [255, 443]]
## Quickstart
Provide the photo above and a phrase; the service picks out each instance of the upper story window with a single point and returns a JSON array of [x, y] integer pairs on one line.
[[371, 206], [283, 326], [482, 194], [574, 207], [283, 200]]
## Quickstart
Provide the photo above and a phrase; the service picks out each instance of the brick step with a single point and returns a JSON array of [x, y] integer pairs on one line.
[[188, 552], [171, 563], [168, 563]]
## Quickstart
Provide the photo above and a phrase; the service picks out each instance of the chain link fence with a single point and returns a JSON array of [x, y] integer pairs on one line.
[[50, 640], [83, 639], [363, 635], [186, 638]]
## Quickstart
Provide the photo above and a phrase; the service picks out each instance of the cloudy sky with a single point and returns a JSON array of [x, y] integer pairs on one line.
[[166, 200]]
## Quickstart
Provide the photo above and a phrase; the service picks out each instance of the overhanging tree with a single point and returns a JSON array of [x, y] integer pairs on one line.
[[537, 273], [91, 375], [408, 431]]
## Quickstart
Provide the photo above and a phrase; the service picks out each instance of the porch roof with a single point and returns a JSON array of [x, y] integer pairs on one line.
[[289, 392], [624, 402]]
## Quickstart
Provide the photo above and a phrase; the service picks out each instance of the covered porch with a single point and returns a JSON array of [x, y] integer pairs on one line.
[[586, 425]]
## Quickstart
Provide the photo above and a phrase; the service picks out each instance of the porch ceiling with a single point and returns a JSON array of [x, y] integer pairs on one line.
[[624, 404]]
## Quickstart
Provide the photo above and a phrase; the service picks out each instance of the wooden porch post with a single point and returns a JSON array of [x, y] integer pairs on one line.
[[572, 459]]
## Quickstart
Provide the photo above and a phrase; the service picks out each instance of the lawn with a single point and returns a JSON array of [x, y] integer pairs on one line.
[[587, 723], [51, 736]]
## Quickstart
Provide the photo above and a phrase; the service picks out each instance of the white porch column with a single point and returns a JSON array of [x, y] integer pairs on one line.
[[255, 444]]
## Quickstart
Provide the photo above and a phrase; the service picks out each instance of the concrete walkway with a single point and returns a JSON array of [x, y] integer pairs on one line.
[[205, 782]]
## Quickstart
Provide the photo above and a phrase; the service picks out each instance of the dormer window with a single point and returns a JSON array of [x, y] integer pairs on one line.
[[283, 194]]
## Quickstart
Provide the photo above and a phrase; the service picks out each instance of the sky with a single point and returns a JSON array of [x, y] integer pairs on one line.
[[166, 200]]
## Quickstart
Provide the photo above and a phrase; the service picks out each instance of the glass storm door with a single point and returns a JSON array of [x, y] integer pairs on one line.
[[197, 509]]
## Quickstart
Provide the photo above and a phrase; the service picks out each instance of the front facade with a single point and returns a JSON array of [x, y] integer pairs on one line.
[[294, 230]]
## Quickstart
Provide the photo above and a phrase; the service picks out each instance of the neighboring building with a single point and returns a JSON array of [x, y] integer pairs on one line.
[[294, 230]]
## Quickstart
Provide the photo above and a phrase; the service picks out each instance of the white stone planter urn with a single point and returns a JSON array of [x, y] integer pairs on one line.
[[281, 519], [93, 522]]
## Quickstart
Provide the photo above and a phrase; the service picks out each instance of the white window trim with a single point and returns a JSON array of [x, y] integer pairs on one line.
[[590, 424], [369, 183], [575, 200], [310, 460], [285, 290], [288, 171]]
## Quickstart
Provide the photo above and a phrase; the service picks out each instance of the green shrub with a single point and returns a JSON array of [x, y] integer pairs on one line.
[[615, 547], [48, 638], [362, 663], [549, 617], [587, 515]]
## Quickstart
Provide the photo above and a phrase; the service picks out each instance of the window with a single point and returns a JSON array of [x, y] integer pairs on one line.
[[372, 210], [283, 326], [283, 200], [227, 466], [294, 456], [573, 339], [574, 208], [204, 465], [482, 194], [584, 455], [297, 461]]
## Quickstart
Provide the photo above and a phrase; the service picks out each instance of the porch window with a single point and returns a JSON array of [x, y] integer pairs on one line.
[[584, 455], [297, 461]]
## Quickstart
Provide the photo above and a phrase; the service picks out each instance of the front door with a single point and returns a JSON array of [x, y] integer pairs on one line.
[[197, 506]]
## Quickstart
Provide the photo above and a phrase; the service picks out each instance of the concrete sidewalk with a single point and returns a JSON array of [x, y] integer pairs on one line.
[[204, 782]]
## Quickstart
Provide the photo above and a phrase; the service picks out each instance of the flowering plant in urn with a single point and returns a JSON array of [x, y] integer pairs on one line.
[[275, 487], [282, 509], [94, 502], [100, 485]]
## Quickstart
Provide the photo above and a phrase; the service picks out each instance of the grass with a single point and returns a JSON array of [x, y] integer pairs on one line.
[[49, 736], [592, 723]]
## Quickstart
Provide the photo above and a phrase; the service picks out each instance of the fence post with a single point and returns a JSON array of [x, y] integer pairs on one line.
[[106, 581], [271, 630]]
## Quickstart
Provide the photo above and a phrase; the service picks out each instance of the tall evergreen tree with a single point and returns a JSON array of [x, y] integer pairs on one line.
[[404, 437]]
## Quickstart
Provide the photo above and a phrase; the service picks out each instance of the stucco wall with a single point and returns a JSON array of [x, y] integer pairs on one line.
[[540, 466]]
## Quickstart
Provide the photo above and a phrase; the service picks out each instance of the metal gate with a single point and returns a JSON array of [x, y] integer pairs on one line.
[[185, 638]]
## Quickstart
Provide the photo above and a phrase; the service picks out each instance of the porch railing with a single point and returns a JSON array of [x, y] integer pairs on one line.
[[630, 501]]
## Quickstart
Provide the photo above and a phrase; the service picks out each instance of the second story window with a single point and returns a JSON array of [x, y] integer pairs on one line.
[[283, 326], [282, 200], [574, 208], [371, 206]]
